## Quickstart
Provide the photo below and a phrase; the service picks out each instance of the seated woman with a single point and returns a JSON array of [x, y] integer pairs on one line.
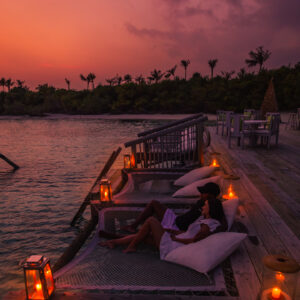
[[166, 240]]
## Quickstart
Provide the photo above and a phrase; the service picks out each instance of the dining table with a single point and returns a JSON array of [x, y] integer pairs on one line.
[[252, 126]]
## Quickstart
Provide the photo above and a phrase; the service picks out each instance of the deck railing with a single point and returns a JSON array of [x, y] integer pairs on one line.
[[176, 145]]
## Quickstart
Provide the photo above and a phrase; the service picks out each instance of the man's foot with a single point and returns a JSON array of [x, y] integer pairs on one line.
[[129, 250], [109, 235], [129, 228], [109, 244]]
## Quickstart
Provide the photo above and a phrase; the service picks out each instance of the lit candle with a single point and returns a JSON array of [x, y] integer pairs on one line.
[[132, 161], [38, 286], [276, 293], [215, 163], [231, 194]]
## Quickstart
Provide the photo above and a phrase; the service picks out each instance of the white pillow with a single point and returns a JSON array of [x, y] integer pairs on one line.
[[191, 190], [206, 254], [194, 175], [230, 208]]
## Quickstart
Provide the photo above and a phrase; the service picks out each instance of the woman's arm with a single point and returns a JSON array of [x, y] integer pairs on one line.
[[202, 234]]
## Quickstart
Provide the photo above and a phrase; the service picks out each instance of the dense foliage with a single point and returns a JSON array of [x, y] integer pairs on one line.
[[171, 95]]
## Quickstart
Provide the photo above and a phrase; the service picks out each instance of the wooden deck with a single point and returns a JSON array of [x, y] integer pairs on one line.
[[270, 203]]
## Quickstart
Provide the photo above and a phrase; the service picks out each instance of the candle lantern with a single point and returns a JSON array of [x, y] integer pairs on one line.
[[214, 162], [105, 190], [230, 193], [129, 161], [39, 283], [279, 278]]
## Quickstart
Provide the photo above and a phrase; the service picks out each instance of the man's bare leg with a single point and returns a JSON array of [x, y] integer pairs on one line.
[[116, 242], [153, 208]]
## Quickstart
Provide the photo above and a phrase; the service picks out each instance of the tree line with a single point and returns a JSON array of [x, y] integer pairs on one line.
[[161, 92]]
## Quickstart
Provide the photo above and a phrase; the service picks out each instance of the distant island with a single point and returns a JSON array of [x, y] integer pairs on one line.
[[161, 92]]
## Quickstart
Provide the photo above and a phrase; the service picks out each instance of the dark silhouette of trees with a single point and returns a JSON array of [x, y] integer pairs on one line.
[[90, 78], [110, 81], [20, 83], [185, 64], [127, 78], [83, 78], [156, 75], [68, 83], [258, 57], [9, 83], [139, 79], [212, 63], [118, 79], [171, 72], [3, 83], [227, 75]]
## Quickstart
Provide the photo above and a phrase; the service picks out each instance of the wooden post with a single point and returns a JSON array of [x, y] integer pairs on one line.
[[73, 248], [104, 171], [200, 144], [9, 162]]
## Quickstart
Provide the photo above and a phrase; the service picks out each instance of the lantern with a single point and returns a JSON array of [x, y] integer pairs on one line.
[[230, 193], [215, 163], [105, 190], [129, 161], [39, 283], [279, 278]]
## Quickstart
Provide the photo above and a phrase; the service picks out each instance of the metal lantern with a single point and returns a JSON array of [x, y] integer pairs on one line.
[[39, 283], [279, 278], [105, 190]]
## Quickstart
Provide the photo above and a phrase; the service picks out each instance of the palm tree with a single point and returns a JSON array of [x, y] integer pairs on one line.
[[91, 77], [110, 81], [85, 79], [127, 78], [156, 75], [20, 83], [150, 79], [258, 57], [9, 84], [212, 63], [68, 83], [227, 75], [139, 79], [118, 79], [171, 72], [185, 64], [3, 82]]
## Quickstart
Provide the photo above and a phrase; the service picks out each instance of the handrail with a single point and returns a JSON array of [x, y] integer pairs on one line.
[[165, 131], [171, 124]]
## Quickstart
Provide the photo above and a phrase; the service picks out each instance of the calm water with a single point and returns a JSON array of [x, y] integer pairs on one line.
[[60, 158]]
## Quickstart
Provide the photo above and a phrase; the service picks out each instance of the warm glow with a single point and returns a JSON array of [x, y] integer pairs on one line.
[[215, 163], [276, 293], [127, 163], [105, 190], [38, 287], [231, 194], [279, 276], [132, 161]]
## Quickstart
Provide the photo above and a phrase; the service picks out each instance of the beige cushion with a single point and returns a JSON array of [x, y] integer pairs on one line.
[[206, 254], [191, 190], [194, 175], [230, 208]]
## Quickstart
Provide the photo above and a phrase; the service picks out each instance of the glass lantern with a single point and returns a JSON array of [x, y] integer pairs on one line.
[[127, 163], [230, 192], [39, 283], [105, 190], [214, 161], [279, 278]]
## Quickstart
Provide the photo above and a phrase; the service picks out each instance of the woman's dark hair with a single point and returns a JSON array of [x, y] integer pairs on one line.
[[216, 209]]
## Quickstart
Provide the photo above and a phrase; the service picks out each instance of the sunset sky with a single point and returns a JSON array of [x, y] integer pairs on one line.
[[44, 41]]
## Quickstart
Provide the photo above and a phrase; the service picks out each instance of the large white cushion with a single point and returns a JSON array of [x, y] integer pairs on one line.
[[230, 208], [191, 190], [194, 175], [206, 254]]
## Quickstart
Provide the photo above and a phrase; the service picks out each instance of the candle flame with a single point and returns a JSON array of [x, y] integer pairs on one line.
[[276, 293], [215, 163], [38, 286], [231, 194]]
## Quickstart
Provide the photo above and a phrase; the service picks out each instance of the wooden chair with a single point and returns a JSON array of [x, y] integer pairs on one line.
[[235, 128], [220, 121], [227, 124], [249, 114], [270, 129]]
